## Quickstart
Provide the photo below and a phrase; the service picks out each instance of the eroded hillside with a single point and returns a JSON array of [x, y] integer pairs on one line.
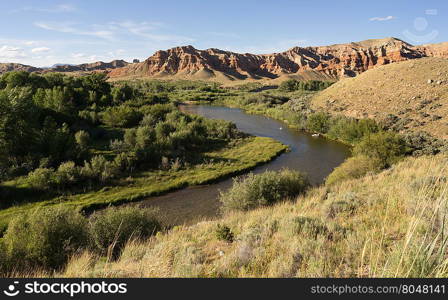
[[410, 95], [325, 62]]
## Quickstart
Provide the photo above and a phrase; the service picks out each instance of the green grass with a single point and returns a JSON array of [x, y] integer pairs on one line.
[[242, 156]]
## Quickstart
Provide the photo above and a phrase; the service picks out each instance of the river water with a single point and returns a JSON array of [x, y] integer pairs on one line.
[[313, 155]]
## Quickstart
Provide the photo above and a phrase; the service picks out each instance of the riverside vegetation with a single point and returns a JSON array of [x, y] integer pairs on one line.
[[379, 214], [85, 143]]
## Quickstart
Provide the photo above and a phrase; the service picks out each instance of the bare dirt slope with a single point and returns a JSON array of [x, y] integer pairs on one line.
[[412, 94]]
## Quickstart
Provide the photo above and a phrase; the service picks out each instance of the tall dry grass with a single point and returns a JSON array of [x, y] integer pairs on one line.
[[392, 224]]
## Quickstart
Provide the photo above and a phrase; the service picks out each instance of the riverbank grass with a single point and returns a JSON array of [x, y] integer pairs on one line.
[[234, 159]]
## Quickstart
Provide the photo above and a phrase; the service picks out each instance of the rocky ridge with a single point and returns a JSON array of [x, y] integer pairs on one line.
[[324, 62]]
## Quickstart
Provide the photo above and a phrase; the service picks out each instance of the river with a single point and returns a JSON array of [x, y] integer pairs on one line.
[[313, 155]]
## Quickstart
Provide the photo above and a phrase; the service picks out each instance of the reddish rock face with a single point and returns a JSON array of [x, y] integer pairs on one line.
[[331, 61]]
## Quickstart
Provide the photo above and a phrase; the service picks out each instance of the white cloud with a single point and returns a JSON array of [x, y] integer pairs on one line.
[[380, 19], [70, 28], [40, 49], [117, 31], [9, 52]]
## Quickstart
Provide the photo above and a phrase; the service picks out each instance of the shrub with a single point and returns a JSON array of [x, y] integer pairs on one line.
[[82, 139], [291, 85], [66, 174], [385, 146], [263, 189], [112, 228], [121, 116], [288, 85], [99, 169], [352, 130], [45, 238], [354, 167], [310, 227], [41, 178], [318, 122], [223, 233], [125, 162]]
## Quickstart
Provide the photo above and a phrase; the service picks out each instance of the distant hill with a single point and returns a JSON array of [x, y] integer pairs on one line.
[[302, 63], [8, 67], [412, 95], [325, 62], [89, 67]]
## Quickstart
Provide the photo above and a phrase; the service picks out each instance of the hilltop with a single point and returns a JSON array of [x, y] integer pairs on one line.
[[65, 68], [302, 63], [8, 67], [409, 95]]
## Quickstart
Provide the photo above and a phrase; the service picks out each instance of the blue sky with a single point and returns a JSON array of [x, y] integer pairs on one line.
[[46, 32]]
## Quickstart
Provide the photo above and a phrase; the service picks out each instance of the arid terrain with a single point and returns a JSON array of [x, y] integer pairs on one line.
[[323, 63], [412, 95]]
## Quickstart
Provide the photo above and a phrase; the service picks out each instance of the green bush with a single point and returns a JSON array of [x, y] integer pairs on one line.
[[385, 146], [351, 130], [318, 122], [99, 169], [41, 178], [82, 139], [67, 174], [223, 233], [354, 167], [121, 116], [291, 85], [112, 228], [45, 238], [263, 189]]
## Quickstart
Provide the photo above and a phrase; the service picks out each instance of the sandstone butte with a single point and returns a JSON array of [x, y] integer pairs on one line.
[[323, 62]]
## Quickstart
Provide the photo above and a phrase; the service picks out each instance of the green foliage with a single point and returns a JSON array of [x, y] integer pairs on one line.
[[48, 237], [291, 85], [354, 167], [385, 146], [122, 116], [264, 189], [82, 139], [351, 130], [122, 93], [99, 169], [223, 233], [45, 238], [318, 122], [41, 178], [67, 174], [112, 228]]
